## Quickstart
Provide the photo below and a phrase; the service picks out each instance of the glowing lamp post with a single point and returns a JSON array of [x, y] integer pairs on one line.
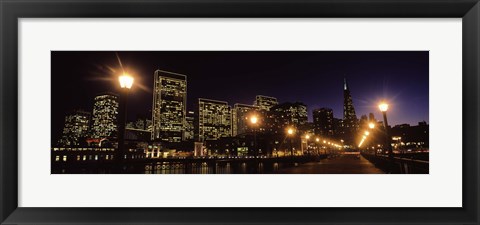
[[383, 108], [126, 82], [254, 122], [372, 127], [307, 137], [290, 133]]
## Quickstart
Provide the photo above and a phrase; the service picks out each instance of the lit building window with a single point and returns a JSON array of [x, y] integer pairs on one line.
[[169, 106], [104, 118]]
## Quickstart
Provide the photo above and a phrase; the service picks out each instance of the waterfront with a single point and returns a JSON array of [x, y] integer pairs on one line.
[[186, 166], [324, 164]]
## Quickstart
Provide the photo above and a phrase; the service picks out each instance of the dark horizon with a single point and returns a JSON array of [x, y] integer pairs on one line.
[[314, 78]]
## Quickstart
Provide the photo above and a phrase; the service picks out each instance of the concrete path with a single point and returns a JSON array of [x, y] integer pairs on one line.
[[343, 164]]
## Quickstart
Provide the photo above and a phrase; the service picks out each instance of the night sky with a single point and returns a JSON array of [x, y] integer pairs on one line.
[[314, 78]]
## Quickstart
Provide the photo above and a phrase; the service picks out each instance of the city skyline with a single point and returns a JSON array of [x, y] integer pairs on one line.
[[102, 74], [244, 112]]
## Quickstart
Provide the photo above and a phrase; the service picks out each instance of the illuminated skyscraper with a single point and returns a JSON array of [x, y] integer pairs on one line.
[[265, 102], [190, 126], [169, 106], [240, 113], [214, 119], [350, 121], [76, 128], [105, 113], [323, 121], [288, 114]]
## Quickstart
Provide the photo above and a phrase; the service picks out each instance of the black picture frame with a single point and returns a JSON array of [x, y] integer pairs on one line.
[[11, 11]]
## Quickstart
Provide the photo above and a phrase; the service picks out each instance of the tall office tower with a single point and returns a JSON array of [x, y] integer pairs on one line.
[[350, 121], [323, 122], [240, 114], [105, 116], [288, 114], [190, 126], [363, 123], [214, 119], [265, 102], [169, 106], [338, 128], [76, 128]]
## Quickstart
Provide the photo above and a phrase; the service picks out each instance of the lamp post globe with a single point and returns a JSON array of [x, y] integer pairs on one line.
[[384, 108], [253, 121]]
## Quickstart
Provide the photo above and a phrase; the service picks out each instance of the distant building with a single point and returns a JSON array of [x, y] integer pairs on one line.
[[169, 106], [240, 121], [141, 124], [139, 130], [214, 119], [350, 121], [76, 128], [371, 117], [323, 122], [406, 137], [105, 116], [337, 128], [287, 114], [363, 123], [190, 126], [265, 102], [137, 134]]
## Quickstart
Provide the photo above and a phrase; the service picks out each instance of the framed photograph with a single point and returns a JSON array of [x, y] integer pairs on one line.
[[233, 112]]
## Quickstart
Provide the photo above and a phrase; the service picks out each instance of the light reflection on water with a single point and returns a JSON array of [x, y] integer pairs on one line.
[[205, 168], [174, 168]]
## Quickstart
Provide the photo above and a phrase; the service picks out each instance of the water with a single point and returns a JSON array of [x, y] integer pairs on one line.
[[206, 168], [173, 168]]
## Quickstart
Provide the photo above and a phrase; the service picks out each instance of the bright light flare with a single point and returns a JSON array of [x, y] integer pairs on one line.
[[361, 142], [371, 125], [290, 131], [126, 81], [383, 107], [254, 120]]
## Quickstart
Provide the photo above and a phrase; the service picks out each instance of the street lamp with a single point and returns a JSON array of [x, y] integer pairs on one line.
[[306, 142], [254, 121], [372, 139], [126, 82], [383, 108], [290, 132], [317, 140]]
